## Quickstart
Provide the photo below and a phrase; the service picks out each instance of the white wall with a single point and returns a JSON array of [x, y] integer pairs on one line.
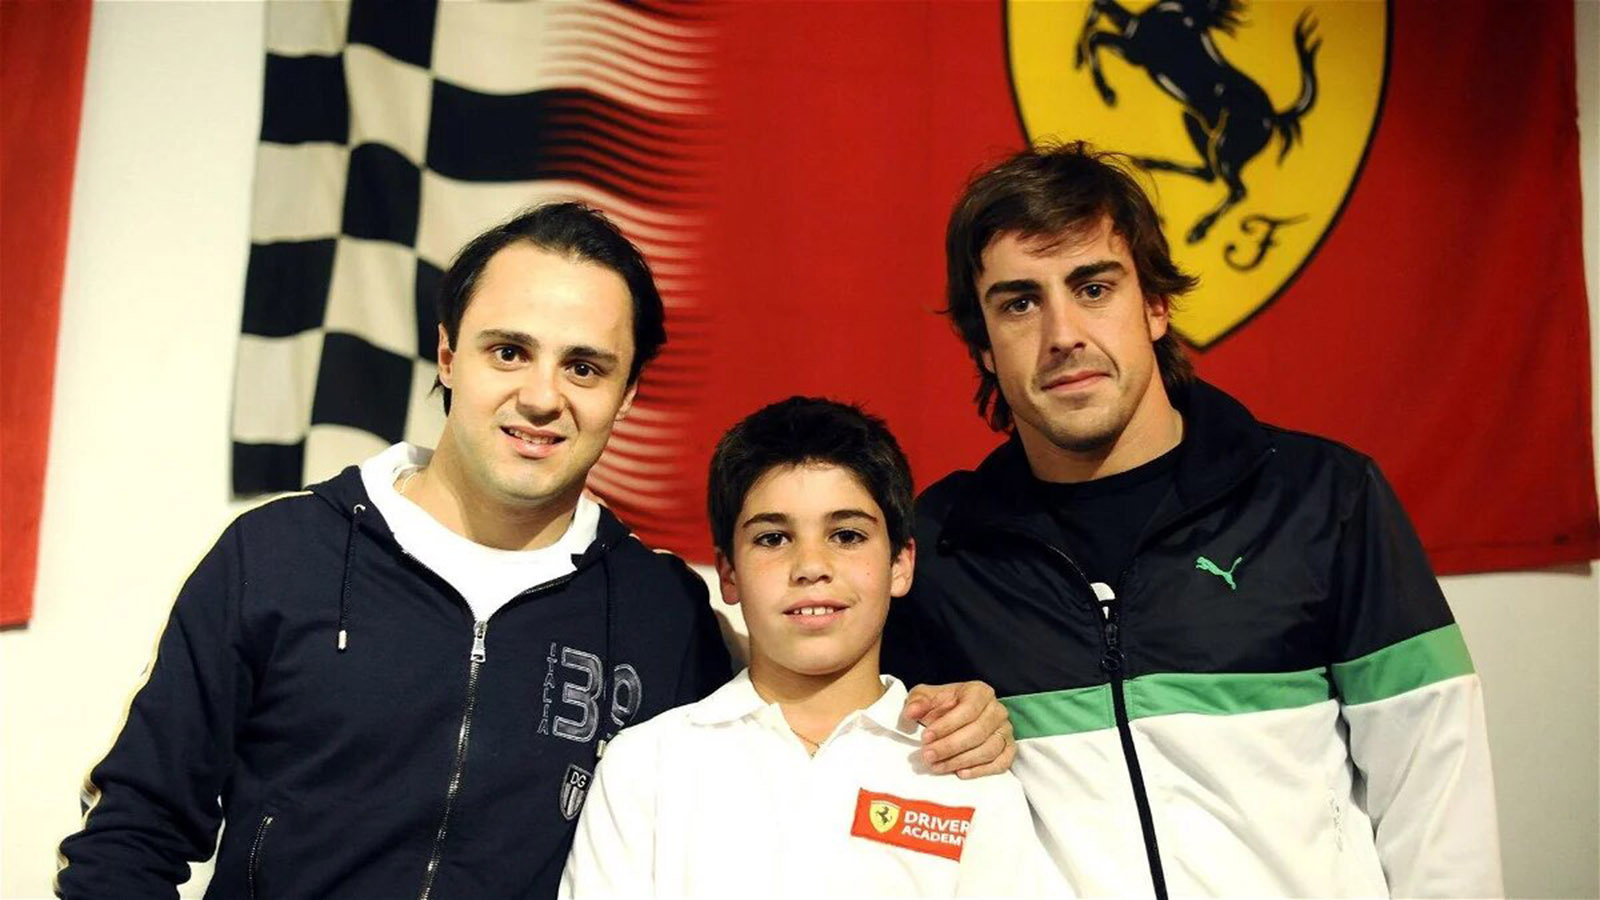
[[137, 486]]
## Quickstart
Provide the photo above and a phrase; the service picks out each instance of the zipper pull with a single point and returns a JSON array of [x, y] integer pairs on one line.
[[479, 629], [1111, 659]]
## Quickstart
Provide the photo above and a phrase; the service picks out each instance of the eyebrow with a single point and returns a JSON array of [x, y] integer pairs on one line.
[[584, 351], [777, 518], [1077, 276], [502, 335], [1083, 273], [490, 336]]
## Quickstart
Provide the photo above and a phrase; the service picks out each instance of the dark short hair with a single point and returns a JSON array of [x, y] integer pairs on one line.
[[571, 229], [1048, 191], [801, 431]]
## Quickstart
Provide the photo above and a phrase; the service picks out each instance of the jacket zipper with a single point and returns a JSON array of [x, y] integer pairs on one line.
[[479, 630], [255, 853], [1111, 660]]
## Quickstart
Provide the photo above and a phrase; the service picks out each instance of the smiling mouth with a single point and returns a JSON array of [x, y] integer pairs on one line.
[[533, 444], [814, 611], [531, 437]]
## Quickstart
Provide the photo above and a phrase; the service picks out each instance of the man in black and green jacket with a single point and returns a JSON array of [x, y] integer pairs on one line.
[[1229, 667]]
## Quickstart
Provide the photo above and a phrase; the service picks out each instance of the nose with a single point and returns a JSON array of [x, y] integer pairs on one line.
[[1063, 326], [811, 563], [539, 395]]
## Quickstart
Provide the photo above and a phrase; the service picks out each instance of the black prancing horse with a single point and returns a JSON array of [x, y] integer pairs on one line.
[[1228, 116]]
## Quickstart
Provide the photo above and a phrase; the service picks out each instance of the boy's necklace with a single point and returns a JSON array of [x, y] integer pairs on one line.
[[811, 746]]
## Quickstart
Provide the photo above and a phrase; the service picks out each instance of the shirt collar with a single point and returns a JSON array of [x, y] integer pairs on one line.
[[738, 699]]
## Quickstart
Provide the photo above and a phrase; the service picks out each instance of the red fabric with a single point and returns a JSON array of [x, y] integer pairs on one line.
[[43, 47], [1442, 328]]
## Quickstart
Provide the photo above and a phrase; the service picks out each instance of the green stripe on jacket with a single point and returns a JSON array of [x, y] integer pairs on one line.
[[1413, 663], [1080, 710], [1416, 662]]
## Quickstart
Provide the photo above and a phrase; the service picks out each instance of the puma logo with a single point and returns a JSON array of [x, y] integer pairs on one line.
[[1206, 565]]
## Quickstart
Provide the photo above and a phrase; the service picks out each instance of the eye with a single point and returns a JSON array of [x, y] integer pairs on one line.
[[1094, 290], [770, 539], [850, 536], [1018, 305], [584, 370], [506, 353]]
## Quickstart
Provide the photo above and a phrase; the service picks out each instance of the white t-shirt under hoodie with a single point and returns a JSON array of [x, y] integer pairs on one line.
[[487, 577]]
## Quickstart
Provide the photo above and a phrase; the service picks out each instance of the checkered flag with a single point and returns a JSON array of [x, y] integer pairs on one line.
[[391, 134]]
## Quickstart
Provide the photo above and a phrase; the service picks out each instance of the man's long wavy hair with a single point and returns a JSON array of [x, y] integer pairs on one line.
[[1056, 191]]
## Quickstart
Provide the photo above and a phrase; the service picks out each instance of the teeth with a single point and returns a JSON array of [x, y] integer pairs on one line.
[[813, 611], [530, 439]]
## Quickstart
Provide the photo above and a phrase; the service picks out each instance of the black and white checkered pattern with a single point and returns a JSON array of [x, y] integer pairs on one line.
[[391, 134]]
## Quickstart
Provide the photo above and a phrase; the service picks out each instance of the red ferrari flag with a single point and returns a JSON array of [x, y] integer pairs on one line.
[[1381, 201]]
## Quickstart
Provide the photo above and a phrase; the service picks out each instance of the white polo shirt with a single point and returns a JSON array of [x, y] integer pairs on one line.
[[719, 798]]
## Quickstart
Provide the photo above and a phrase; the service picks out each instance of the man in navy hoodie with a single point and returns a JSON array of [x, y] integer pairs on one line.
[[397, 683]]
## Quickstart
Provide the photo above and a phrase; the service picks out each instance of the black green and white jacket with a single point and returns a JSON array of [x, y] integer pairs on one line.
[[1272, 699]]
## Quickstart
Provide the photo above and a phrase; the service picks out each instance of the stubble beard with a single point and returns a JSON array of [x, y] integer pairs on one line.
[[1091, 437]]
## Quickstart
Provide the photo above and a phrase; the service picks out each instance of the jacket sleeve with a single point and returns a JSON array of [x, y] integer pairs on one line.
[[1414, 708], [705, 665], [614, 848], [151, 806]]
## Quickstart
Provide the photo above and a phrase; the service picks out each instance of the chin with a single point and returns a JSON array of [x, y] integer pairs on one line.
[[1080, 442]]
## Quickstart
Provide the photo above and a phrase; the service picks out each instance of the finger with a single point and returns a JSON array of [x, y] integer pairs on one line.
[[976, 708], [988, 751], [925, 701], [1002, 764], [964, 739], [960, 709]]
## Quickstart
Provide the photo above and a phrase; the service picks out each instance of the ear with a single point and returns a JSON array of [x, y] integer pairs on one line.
[[447, 357], [727, 580], [901, 569], [627, 400], [987, 358], [1157, 314]]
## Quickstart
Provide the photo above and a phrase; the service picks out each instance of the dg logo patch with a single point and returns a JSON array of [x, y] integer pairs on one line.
[[574, 787], [1248, 122]]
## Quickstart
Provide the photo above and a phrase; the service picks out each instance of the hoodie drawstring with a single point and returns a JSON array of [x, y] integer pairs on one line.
[[344, 592]]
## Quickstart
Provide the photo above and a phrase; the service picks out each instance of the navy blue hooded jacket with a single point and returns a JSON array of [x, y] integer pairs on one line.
[[429, 756]]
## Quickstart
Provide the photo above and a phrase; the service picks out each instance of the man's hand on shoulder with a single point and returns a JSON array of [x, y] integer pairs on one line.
[[965, 728]]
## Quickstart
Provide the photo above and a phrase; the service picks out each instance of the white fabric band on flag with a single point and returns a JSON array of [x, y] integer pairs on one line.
[[368, 278], [389, 102], [298, 28], [289, 364], [299, 191]]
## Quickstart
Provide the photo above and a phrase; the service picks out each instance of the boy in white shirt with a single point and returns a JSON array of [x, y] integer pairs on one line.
[[798, 776]]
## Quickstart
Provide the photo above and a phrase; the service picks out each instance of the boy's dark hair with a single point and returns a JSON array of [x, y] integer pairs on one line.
[[805, 430], [577, 231], [1046, 191]]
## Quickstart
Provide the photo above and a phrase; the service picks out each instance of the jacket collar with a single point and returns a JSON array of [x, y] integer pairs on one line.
[[1222, 444]]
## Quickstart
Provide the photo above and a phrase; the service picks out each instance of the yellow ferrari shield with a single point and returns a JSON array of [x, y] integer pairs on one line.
[[1249, 123], [883, 815]]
